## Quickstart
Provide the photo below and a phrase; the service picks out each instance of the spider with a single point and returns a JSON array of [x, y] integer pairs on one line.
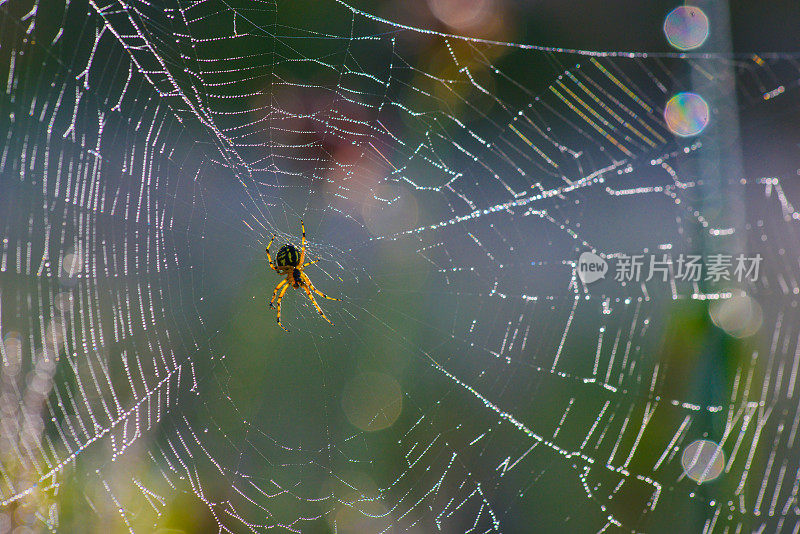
[[289, 263]]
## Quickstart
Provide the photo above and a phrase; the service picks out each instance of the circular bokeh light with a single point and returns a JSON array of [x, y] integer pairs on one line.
[[391, 209], [739, 316], [686, 27], [703, 461], [372, 401], [462, 14], [686, 114], [72, 263]]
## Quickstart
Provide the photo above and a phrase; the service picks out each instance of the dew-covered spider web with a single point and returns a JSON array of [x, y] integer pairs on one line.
[[471, 381]]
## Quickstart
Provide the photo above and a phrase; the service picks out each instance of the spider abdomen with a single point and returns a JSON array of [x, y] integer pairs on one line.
[[287, 256]]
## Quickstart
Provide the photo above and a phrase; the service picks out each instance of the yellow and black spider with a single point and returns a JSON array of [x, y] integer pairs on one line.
[[289, 263]]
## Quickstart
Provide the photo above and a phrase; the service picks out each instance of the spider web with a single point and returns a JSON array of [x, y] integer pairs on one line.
[[472, 383]]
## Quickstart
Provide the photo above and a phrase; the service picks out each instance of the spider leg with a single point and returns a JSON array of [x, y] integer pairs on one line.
[[272, 265], [302, 244], [275, 291], [311, 263], [311, 297], [278, 305], [307, 281]]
